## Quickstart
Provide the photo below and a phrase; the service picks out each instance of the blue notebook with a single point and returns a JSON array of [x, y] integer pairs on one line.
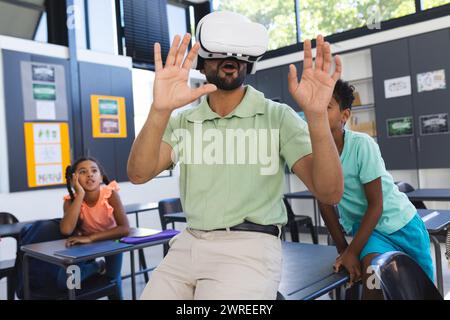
[[91, 249]]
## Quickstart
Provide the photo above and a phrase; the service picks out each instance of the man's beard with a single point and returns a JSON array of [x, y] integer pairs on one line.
[[222, 83]]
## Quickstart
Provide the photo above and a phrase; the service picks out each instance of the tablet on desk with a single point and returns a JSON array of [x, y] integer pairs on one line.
[[161, 235], [91, 249], [142, 232]]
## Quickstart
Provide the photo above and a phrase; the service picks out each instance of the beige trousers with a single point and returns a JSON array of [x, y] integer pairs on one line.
[[218, 265]]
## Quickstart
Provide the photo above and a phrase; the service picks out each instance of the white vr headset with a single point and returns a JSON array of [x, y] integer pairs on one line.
[[228, 34]]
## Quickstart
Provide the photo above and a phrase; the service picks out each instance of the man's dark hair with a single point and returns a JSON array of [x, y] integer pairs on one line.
[[343, 93]]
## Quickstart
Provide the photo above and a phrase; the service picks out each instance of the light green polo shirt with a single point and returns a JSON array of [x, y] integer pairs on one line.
[[362, 163], [232, 167]]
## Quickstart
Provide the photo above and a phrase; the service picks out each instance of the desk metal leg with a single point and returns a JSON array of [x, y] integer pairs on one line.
[[316, 220], [143, 264], [26, 277], [133, 276], [437, 252], [137, 219]]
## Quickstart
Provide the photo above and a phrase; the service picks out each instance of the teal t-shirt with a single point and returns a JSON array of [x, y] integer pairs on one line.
[[362, 163]]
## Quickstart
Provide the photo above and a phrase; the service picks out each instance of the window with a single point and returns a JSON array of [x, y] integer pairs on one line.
[[41, 34], [176, 17], [278, 16], [335, 16], [428, 4], [145, 23]]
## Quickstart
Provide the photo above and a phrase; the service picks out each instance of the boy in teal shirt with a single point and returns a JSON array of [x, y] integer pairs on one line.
[[372, 210]]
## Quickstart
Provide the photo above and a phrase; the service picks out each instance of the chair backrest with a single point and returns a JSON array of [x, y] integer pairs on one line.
[[171, 205], [290, 212], [405, 188], [165, 206], [401, 278], [41, 273], [7, 218]]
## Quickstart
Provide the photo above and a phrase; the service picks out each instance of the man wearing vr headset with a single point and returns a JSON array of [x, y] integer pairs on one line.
[[231, 248]]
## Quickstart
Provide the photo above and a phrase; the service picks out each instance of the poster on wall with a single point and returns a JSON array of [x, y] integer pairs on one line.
[[44, 91], [399, 127], [108, 117], [43, 73], [429, 81], [47, 153], [434, 124], [397, 87]]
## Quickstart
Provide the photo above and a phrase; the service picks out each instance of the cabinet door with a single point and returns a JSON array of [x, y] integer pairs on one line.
[[106, 80], [95, 79], [431, 52], [269, 82], [122, 86], [391, 60], [250, 79]]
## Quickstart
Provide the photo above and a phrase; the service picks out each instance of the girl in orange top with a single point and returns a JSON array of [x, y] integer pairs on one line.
[[93, 213]]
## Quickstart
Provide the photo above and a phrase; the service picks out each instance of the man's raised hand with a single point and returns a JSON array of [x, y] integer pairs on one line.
[[313, 92], [171, 90]]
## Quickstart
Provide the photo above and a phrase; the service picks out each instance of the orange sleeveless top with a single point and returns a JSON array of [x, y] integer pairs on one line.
[[99, 217]]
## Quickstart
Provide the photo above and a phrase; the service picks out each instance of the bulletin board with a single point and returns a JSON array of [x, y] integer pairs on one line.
[[108, 117], [47, 153]]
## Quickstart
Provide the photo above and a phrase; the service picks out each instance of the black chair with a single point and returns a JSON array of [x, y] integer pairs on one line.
[[7, 266], [170, 211], [405, 188], [401, 278], [294, 221], [43, 275]]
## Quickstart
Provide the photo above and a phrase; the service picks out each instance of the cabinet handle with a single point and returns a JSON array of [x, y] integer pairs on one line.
[[418, 145], [411, 145]]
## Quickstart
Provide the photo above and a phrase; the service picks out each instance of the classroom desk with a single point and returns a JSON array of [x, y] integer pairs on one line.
[[45, 251], [308, 271], [429, 195], [136, 208], [436, 221], [307, 195]]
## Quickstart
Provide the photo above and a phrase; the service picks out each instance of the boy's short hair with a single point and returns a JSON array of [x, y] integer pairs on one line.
[[343, 93]]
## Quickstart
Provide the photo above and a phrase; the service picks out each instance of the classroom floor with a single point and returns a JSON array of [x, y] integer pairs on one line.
[[152, 261]]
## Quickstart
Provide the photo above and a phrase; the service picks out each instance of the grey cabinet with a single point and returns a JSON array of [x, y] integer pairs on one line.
[[431, 52], [413, 56], [273, 83], [391, 60], [269, 81]]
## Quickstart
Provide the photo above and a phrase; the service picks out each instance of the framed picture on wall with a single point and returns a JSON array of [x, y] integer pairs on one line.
[[434, 124], [108, 117], [399, 127]]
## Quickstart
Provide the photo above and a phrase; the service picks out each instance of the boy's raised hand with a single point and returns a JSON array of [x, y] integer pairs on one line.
[[171, 90], [313, 92]]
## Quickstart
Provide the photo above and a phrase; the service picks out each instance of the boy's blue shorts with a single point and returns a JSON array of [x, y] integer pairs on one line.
[[412, 239]]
